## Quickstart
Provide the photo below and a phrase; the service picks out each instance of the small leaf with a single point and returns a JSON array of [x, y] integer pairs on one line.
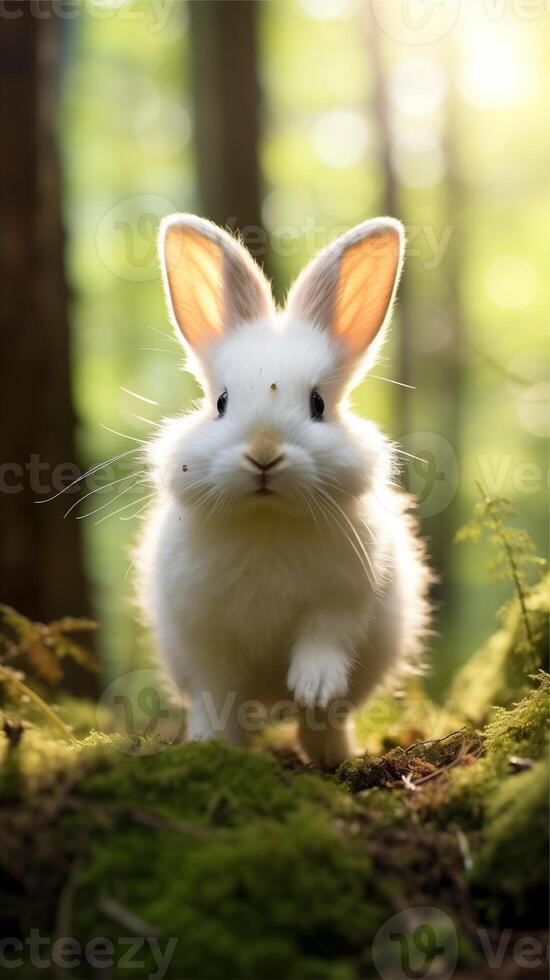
[[44, 664]]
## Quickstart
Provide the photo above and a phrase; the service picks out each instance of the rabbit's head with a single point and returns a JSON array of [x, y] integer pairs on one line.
[[274, 432]]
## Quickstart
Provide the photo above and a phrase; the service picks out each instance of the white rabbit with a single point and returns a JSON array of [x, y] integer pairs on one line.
[[278, 563]]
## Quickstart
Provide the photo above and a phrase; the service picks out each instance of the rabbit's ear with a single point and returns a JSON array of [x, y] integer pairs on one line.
[[349, 287], [212, 282]]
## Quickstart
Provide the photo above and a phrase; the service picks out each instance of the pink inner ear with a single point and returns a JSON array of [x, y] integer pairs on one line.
[[194, 270], [367, 277]]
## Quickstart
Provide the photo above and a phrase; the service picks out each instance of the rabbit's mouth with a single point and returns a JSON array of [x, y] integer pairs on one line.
[[264, 491]]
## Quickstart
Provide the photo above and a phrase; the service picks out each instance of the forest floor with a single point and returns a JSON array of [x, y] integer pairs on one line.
[[422, 858]]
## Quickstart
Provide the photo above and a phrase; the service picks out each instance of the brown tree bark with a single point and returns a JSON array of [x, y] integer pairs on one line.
[[40, 554], [389, 204], [226, 95]]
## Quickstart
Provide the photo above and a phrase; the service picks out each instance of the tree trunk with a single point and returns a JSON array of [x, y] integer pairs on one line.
[[389, 205], [40, 561], [226, 99], [452, 361]]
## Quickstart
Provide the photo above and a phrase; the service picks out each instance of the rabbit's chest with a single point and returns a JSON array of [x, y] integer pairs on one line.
[[269, 588], [256, 592], [256, 595]]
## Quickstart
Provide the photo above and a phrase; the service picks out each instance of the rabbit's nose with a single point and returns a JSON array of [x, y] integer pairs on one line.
[[264, 451], [264, 467]]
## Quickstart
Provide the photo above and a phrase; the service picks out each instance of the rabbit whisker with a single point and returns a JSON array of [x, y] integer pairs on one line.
[[123, 434], [335, 486], [90, 493], [162, 333], [108, 503], [141, 418], [329, 516], [142, 398], [162, 350], [133, 503], [309, 506], [331, 502], [137, 513], [420, 459], [390, 381], [84, 476]]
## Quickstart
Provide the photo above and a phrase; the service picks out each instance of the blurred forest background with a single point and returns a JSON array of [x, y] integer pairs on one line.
[[289, 120]]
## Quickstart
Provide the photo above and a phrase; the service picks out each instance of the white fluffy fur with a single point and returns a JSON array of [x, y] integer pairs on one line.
[[311, 594]]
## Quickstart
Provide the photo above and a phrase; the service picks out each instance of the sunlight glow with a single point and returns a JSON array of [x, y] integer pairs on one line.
[[511, 282], [108, 4], [534, 409], [326, 9], [340, 138], [417, 87], [496, 69], [417, 157], [165, 131], [286, 209], [434, 329]]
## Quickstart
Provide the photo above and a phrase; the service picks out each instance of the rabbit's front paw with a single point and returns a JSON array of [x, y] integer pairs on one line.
[[318, 679]]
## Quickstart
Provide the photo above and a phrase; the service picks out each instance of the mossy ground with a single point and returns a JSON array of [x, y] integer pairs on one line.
[[258, 866], [495, 674]]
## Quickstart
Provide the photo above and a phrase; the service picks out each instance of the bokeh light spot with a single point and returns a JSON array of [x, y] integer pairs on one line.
[[495, 68], [340, 138], [165, 132], [511, 282], [327, 9], [417, 87], [417, 157], [534, 409]]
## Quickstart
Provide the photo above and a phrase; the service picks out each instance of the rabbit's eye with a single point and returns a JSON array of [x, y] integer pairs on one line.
[[317, 405], [222, 403]]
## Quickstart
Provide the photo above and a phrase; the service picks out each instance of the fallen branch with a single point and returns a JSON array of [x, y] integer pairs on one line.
[[10, 677]]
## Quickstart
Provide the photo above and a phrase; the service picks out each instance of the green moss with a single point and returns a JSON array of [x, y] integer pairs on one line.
[[247, 864], [522, 731], [289, 899], [207, 783], [498, 673], [257, 868], [505, 812], [509, 877]]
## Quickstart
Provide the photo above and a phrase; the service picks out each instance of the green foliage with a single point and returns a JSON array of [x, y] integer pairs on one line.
[[41, 648], [514, 559], [500, 802], [509, 877], [517, 732], [495, 674], [43, 645]]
